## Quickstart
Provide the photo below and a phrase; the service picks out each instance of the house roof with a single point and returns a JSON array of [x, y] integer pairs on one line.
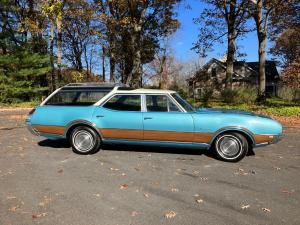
[[271, 70]]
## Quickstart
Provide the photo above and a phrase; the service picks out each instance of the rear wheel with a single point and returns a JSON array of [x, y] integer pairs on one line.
[[231, 147], [84, 140]]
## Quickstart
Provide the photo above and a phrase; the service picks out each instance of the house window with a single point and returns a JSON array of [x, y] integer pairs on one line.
[[213, 72]]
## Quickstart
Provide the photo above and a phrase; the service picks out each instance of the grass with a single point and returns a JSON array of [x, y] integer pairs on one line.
[[19, 104], [272, 107]]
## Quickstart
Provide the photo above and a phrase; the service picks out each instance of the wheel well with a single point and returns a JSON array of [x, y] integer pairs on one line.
[[70, 129], [246, 135]]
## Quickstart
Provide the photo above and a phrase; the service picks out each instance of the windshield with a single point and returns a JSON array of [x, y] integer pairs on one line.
[[187, 106]]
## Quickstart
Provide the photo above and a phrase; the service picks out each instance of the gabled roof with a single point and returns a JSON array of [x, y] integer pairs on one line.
[[271, 70]]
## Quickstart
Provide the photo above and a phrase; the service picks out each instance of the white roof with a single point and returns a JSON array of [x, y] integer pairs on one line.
[[145, 91]]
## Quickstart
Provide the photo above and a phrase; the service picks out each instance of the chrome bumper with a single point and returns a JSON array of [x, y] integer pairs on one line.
[[275, 140], [30, 128]]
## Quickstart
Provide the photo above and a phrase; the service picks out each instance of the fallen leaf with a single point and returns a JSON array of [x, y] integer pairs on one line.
[[60, 171], [134, 213], [170, 214], [146, 195], [98, 195], [266, 210], [245, 206], [123, 174], [114, 169], [11, 197], [25, 139], [38, 215], [14, 208], [124, 186], [174, 190], [287, 191], [199, 200]]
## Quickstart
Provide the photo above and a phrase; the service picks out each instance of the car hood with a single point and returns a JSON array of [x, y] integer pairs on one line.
[[228, 111]]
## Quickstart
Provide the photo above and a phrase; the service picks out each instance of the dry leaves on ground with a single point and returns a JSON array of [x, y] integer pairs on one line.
[[123, 186], [174, 190], [242, 172], [245, 206], [170, 214], [134, 213], [35, 216], [199, 200], [266, 210]]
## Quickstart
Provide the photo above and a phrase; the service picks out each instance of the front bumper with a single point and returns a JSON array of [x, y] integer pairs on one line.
[[275, 139]]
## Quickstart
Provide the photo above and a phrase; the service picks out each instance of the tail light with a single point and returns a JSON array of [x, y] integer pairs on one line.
[[31, 112]]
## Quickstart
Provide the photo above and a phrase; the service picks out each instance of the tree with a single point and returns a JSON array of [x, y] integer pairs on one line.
[[287, 46], [133, 29], [222, 18], [24, 62], [261, 11]]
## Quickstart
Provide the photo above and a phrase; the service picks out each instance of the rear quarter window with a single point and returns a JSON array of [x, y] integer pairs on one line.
[[76, 98]]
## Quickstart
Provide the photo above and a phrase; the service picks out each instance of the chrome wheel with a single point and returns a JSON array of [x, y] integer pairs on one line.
[[229, 146], [83, 141]]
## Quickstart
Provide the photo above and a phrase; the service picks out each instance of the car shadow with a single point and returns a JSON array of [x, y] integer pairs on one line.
[[62, 143]]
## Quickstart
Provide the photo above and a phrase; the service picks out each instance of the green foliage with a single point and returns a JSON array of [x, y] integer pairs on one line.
[[272, 107], [23, 76], [239, 95]]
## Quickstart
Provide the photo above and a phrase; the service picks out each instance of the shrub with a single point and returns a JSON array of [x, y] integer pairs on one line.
[[239, 95]]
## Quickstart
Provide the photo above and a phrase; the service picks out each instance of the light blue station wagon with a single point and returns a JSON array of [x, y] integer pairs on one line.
[[91, 114]]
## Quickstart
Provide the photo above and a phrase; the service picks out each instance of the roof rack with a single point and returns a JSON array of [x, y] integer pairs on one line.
[[96, 84]]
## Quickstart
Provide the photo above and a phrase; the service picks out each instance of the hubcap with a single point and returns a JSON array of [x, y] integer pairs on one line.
[[83, 141], [229, 146]]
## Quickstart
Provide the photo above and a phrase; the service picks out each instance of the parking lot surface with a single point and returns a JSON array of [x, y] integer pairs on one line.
[[44, 182]]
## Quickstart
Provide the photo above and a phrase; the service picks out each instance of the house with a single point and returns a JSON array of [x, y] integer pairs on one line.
[[246, 74]]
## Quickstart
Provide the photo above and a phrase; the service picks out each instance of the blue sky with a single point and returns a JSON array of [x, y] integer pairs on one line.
[[182, 41]]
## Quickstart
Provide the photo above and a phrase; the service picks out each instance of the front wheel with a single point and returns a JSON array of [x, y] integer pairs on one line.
[[231, 147], [84, 140]]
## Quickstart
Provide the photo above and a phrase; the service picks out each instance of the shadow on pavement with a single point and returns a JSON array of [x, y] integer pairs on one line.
[[61, 143]]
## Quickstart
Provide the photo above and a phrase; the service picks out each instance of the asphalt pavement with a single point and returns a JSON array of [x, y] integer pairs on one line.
[[44, 182]]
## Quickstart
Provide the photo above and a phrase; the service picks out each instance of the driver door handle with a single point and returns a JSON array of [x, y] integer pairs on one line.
[[99, 116], [147, 118]]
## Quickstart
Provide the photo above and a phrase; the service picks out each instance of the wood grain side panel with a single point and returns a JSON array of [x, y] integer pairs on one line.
[[60, 130], [122, 133], [263, 138], [153, 135], [203, 137], [168, 136]]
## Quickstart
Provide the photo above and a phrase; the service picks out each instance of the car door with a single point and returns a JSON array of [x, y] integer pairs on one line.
[[165, 121], [120, 118]]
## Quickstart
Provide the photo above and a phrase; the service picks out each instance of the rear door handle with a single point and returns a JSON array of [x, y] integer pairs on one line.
[[147, 118], [99, 116]]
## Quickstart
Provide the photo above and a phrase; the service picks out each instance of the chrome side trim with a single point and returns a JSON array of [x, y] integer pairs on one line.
[[84, 122], [234, 128]]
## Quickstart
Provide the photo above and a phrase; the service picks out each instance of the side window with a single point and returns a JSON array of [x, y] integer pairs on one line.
[[76, 98], [124, 103], [160, 103]]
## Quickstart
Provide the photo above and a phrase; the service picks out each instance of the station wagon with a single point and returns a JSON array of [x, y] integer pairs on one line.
[[89, 115]]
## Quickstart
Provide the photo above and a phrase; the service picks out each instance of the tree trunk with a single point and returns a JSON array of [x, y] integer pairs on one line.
[[262, 66], [135, 78], [230, 58], [59, 48], [103, 63], [52, 84], [230, 43], [112, 60], [261, 34]]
